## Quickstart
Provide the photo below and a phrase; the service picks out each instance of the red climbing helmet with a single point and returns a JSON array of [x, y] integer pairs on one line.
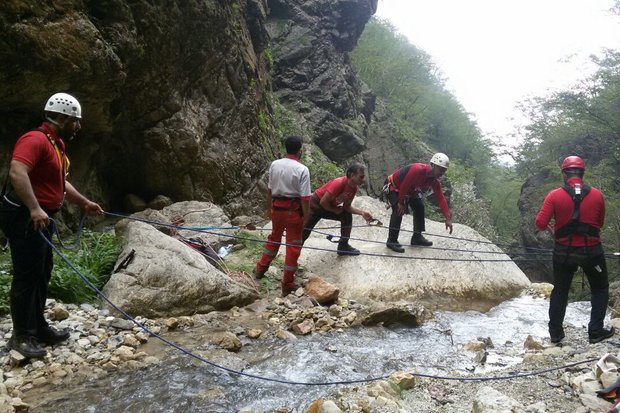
[[573, 162]]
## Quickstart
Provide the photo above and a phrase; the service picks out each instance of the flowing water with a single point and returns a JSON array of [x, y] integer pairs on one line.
[[182, 384]]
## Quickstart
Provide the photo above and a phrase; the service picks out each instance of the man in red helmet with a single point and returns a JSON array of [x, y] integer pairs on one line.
[[579, 214]]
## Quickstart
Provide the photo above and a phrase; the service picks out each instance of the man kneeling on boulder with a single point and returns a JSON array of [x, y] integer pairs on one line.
[[333, 201]]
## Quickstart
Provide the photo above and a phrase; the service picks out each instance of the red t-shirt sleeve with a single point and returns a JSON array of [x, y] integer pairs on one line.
[[441, 199], [29, 148]]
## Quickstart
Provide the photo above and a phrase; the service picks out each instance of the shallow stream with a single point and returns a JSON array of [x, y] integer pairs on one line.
[[182, 384]]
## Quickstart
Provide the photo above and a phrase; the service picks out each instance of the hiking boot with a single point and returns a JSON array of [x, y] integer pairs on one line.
[[556, 336], [287, 289], [51, 336], [418, 239], [395, 246], [598, 336], [27, 346], [257, 274], [346, 249]]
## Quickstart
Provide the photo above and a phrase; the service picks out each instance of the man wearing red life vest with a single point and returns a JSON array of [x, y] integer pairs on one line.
[[333, 201], [288, 197], [579, 214], [38, 187], [405, 187]]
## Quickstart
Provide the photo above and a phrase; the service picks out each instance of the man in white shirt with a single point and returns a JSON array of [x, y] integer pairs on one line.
[[288, 200]]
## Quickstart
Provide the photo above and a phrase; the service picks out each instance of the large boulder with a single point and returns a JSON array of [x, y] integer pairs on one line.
[[462, 271], [168, 278]]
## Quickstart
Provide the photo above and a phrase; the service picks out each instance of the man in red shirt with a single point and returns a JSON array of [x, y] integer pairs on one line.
[[405, 186], [38, 187], [288, 197], [333, 201], [579, 214]]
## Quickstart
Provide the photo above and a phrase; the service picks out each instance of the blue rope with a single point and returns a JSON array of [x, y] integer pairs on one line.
[[322, 249]]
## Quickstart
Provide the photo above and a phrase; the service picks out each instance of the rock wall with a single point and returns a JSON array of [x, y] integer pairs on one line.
[[313, 75], [177, 95], [172, 92]]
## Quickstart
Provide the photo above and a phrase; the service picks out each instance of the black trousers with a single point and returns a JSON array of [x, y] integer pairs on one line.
[[317, 213], [417, 206], [32, 261], [565, 263]]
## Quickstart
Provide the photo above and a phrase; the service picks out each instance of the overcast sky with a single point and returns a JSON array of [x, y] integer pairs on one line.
[[494, 53]]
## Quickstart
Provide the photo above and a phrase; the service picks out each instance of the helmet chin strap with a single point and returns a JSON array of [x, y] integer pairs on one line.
[[61, 127], [55, 122]]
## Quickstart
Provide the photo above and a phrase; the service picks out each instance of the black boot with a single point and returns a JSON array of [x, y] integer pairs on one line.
[[418, 239], [27, 346], [598, 336], [345, 249], [395, 246], [50, 336]]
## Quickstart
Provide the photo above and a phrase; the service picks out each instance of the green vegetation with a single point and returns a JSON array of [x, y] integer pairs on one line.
[[94, 259], [321, 168], [581, 121], [424, 112]]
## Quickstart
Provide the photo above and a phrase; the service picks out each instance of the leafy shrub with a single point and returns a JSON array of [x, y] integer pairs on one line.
[[94, 259]]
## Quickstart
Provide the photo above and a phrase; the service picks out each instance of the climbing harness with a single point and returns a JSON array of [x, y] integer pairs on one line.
[[577, 193]]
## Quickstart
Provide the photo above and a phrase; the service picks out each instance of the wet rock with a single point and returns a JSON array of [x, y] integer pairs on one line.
[[489, 400], [254, 332], [532, 344], [304, 328], [16, 358], [403, 380], [122, 324], [475, 346], [171, 323], [594, 403], [406, 315], [227, 340], [323, 406], [322, 291], [285, 335], [59, 313]]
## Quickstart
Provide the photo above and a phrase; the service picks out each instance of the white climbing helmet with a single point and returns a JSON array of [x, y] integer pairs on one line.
[[65, 104], [440, 159]]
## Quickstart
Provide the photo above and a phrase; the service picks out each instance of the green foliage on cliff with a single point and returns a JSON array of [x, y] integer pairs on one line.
[[583, 121], [422, 110]]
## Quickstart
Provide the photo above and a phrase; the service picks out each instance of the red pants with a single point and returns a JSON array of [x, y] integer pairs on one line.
[[292, 222]]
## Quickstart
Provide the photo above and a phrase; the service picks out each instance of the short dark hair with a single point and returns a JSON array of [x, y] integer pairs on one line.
[[293, 144], [354, 168]]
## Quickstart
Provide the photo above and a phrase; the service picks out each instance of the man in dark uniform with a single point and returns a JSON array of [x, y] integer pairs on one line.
[[38, 188], [579, 214]]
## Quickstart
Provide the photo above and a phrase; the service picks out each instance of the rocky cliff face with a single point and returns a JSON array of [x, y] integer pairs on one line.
[[172, 92], [313, 75], [176, 95]]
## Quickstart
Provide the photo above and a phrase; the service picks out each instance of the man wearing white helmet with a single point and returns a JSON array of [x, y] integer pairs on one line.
[[35, 189], [405, 188]]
